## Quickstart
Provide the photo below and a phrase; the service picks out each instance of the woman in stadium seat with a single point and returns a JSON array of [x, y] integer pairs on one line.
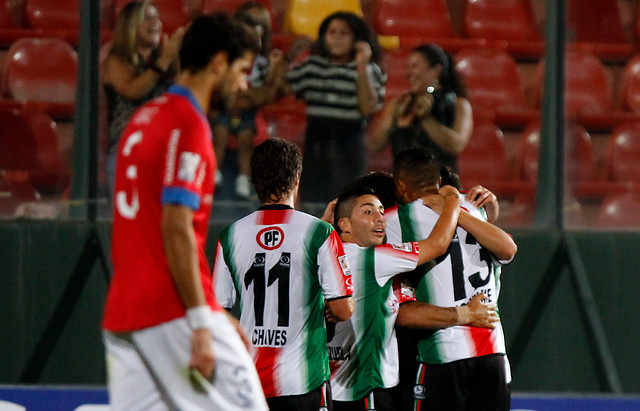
[[141, 64], [434, 113]]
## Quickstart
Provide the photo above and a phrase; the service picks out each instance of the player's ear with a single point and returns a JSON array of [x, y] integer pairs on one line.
[[219, 63], [344, 224]]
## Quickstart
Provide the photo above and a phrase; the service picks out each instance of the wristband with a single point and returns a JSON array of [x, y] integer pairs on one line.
[[200, 317], [464, 315]]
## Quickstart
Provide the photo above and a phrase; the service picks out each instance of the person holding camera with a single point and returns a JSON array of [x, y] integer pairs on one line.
[[435, 112]]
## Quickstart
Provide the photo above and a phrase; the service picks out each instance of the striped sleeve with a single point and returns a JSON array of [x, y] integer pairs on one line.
[[334, 272], [392, 259], [223, 286]]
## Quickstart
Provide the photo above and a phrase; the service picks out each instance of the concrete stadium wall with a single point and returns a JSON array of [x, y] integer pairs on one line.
[[40, 266]]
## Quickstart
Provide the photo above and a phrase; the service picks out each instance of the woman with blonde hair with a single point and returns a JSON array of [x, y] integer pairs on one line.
[[141, 64]]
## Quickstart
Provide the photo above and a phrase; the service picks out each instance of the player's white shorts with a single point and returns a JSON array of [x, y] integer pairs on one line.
[[148, 370]]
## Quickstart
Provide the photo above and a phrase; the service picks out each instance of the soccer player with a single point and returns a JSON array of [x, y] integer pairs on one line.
[[363, 349], [283, 265], [461, 367], [169, 345]]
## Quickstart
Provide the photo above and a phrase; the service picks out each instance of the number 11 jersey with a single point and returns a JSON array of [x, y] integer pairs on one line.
[[283, 264]]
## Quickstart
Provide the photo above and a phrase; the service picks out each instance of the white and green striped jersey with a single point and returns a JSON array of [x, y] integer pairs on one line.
[[466, 269], [364, 351], [282, 264]]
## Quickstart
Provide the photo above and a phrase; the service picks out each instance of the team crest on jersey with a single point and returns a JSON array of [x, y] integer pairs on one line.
[[145, 115], [270, 238], [188, 166], [407, 247]]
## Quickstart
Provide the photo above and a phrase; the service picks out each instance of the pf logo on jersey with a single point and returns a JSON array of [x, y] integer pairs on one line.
[[270, 238]]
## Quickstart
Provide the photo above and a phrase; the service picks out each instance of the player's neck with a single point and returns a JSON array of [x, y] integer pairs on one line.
[[199, 85], [289, 200]]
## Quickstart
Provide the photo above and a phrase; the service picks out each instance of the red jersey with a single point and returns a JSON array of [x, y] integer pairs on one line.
[[165, 156]]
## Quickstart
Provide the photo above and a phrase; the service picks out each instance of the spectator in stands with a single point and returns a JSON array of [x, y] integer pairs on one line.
[[141, 64], [342, 85], [435, 112], [241, 120]]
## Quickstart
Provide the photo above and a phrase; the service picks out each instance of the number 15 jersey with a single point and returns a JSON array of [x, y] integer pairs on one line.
[[283, 264], [466, 269]]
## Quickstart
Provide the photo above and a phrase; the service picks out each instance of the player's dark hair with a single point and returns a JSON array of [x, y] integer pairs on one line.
[[450, 177], [417, 167], [209, 34], [346, 202], [382, 185], [276, 165]]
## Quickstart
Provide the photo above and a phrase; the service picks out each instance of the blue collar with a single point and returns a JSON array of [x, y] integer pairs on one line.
[[185, 92]]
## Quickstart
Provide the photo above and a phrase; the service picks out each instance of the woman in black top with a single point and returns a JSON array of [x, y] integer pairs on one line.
[[434, 113]]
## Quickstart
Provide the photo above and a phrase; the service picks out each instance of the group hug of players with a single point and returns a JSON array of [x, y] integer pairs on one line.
[[322, 300]]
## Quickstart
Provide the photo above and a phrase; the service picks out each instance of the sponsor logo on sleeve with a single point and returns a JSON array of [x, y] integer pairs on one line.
[[406, 247], [344, 264], [188, 166]]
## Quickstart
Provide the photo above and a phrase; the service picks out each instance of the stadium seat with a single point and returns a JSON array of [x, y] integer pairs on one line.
[[507, 24], [7, 18], [415, 23], [588, 95], [630, 85], [622, 160], [582, 172], [620, 211], [173, 13], [597, 27], [395, 65], [29, 148], [13, 194], [286, 119], [61, 18], [484, 161], [42, 70], [303, 17], [497, 93]]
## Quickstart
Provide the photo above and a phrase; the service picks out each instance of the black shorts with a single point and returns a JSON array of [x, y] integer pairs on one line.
[[316, 400], [473, 384], [382, 401]]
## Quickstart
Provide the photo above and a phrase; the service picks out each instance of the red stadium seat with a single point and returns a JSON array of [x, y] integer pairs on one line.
[[61, 18], [497, 93], [173, 13], [507, 24], [42, 70], [588, 96], [630, 85], [287, 119], [620, 211], [7, 17], [579, 160], [484, 159], [426, 21], [29, 148], [13, 194], [622, 161], [395, 65], [597, 27]]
